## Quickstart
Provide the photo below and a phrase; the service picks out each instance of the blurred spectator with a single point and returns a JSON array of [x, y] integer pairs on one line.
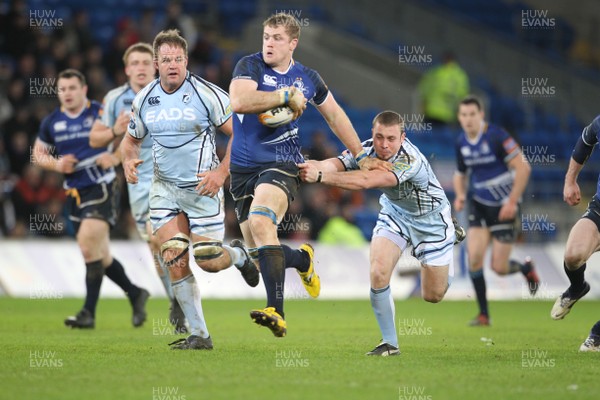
[[340, 230], [147, 26], [30, 192], [177, 20], [441, 89], [321, 147], [19, 151]]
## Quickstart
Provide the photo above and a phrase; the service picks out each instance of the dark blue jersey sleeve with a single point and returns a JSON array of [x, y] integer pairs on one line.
[[321, 89], [460, 161], [44, 134], [505, 146], [590, 132], [249, 67]]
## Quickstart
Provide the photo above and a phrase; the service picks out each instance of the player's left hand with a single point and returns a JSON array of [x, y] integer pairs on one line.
[[508, 211], [308, 171], [107, 160], [212, 181], [371, 163]]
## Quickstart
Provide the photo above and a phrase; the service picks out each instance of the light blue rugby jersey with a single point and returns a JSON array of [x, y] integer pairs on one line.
[[182, 125], [418, 191], [117, 101]]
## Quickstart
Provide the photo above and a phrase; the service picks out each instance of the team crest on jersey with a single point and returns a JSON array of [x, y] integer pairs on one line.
[[465, 151], [186, 98], [60, 126], [269, 80], [299, 84], [88, 122], [484, 148]]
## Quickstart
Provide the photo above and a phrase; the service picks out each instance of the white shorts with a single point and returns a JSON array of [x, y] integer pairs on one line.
[[139, 194], [206, 215], [431, 235]]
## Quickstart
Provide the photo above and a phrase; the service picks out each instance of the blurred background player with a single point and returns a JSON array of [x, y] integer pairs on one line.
[[584, 238], [139, 68], [63, 146], [264, 174], [499, 176], [181, 112], [415, 212], [441, 89]]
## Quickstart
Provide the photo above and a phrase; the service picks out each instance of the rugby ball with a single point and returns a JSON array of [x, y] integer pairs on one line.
[[276, 116]]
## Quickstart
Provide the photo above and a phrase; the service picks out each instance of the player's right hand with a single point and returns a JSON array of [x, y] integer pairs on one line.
[[571, 194], [130, 170], [66, 164], [308, 171], [121, 124], [296, 101], [459, 204]]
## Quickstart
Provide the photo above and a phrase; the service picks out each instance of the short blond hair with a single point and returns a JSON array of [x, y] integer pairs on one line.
[[171, 37], [291, 24], [139, 47], [389, 118]]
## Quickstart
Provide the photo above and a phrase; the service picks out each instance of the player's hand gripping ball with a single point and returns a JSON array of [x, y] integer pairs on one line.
[[277, 116]]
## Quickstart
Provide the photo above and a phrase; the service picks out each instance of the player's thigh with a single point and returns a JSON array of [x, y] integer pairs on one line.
[[478, 239], [500, 255], [583, 241], [384, 256], [434, 282], [272, 197], [93, 238]]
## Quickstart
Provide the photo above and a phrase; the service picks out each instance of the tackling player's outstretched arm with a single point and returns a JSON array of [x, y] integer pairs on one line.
[[351, 180]]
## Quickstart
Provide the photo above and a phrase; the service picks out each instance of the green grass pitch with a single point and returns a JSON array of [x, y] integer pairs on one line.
[[524, 355]]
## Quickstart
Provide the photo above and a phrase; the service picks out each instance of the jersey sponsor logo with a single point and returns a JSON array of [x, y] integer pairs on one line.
[[128, 102], [186, 98], [401, 166], [154, 100], [74, 128], [170, 114], [269, 80], [60, 126]]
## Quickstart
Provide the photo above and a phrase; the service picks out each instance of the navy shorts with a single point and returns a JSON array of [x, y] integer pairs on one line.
[[97, 201], [593, 212], [245, 180], [483, 216]]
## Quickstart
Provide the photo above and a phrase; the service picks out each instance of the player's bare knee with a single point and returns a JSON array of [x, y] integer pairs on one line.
[[500, 267], [574, 258], [209, 255], [379, 278], [433, 295], [261, 220]]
